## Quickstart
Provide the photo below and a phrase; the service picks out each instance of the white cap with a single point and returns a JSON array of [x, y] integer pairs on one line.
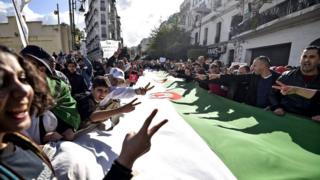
[[117, 73]]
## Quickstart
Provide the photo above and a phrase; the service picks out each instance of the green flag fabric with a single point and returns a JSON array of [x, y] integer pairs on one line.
[[252, 142], [65, 108]]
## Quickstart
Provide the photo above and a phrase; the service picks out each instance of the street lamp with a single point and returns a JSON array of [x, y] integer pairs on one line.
[[57, 12], [72, 8], [81, 9]]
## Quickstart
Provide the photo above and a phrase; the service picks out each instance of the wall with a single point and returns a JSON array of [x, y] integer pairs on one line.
[[300, 36], [46, 36]]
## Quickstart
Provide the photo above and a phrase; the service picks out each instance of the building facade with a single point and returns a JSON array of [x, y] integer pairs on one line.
[[102, 23], [239, 31], [53, 38], [278, 29]]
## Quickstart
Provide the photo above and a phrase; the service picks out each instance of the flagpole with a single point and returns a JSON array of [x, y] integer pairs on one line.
[[18, 17]]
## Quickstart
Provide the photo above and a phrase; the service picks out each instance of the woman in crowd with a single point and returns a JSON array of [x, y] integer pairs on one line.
[[23, 93]]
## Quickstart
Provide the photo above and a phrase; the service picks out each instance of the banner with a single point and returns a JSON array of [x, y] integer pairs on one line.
[[109, 47], [18, 6]]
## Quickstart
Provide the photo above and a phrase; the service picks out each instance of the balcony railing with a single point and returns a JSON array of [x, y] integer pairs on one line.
[[285, 8]]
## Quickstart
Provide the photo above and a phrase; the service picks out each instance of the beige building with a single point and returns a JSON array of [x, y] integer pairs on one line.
[[50, 37]]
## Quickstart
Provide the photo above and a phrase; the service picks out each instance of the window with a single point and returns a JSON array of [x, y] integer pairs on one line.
[[205, 36], [104, 32], [197, 18], [196, 38], [183, 20], [103, 19], [218, 33], [103, 5], [218, 3]]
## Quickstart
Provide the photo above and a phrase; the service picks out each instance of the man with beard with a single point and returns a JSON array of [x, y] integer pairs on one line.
[[306, 76]]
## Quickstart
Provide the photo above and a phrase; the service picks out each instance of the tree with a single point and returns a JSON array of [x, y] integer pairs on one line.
[[169, 40], [78, 36]]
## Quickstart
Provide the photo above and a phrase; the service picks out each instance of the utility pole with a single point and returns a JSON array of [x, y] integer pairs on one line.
[[71, 23], [57, 12]]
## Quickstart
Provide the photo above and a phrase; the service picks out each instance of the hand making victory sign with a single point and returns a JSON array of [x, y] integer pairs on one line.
[[137, 144], [143, 91], [130, 106], [284, 89]]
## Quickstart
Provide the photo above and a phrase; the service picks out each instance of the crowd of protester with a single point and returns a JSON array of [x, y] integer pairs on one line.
[[253, 84], [47, 98]]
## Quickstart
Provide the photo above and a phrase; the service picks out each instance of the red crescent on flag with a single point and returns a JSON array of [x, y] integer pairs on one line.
[[166, 95]]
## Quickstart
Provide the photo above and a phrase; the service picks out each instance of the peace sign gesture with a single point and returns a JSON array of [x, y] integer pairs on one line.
[[130, 106], [137, 144], [144, 90], [285, 89]]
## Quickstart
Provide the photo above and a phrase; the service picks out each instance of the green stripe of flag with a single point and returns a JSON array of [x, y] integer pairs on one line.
[[252, 142]]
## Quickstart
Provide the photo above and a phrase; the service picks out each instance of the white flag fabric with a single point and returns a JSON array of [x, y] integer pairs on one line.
[[177, 151], [18, 6]]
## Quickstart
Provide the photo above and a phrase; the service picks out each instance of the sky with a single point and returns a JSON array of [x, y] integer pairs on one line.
[[138, 17]]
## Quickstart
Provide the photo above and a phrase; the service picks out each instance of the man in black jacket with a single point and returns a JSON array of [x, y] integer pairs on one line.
[[77, 82], [308, 76], [260, 83]]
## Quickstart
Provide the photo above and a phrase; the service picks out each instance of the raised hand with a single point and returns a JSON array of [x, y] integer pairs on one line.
[[285, 89], [214, 76], [144, 90], [201, 76], [130, 106], [137, 144]]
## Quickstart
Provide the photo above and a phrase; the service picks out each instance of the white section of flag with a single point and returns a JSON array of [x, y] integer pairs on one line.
[[177, 151]]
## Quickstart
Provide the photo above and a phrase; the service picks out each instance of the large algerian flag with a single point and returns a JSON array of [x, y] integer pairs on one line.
[[207, 137]]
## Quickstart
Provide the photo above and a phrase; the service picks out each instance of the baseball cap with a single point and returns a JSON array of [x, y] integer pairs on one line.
[[117, 73], [39, 54]]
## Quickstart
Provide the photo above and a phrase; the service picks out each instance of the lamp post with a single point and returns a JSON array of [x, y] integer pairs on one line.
[[57, 12], [72, 8]]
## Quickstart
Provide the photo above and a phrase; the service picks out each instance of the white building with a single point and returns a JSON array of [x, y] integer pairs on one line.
[[280, 30], [192, 10], [242, 30], [102, 23], [213, 30]]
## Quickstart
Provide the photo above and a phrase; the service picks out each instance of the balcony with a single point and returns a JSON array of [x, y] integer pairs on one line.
[[238, 26]]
